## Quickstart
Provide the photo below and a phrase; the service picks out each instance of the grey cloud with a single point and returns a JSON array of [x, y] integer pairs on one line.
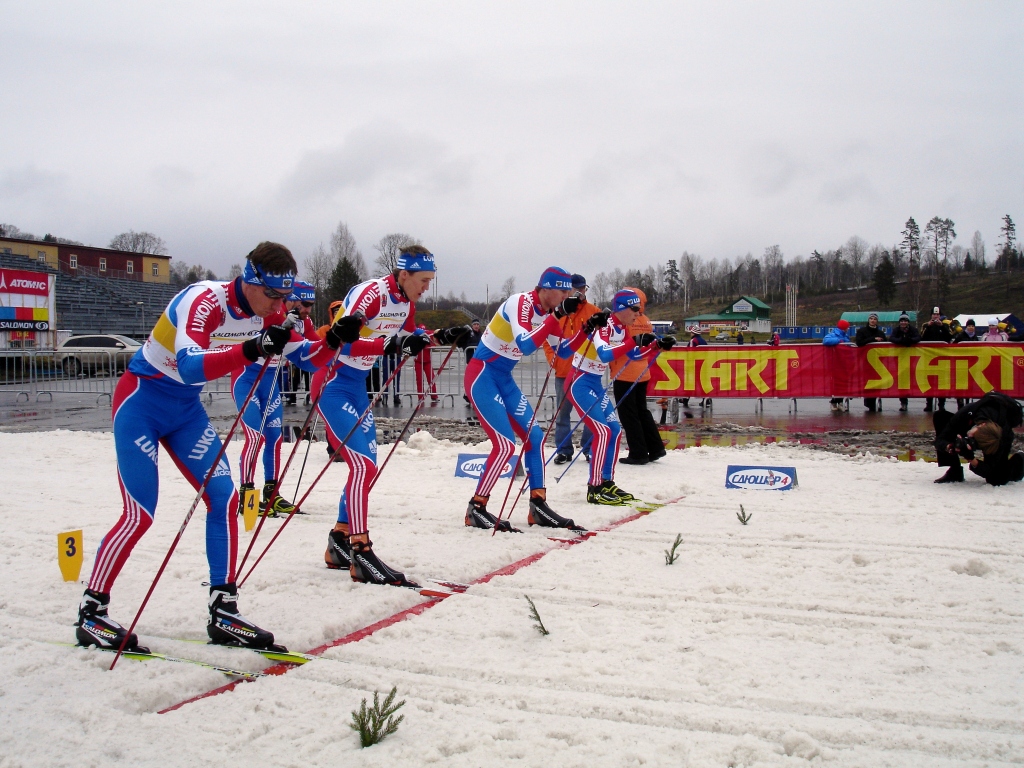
[[372, 157], [846, 189], [172, 178], [654, 172], [30, 180], [771, 171]]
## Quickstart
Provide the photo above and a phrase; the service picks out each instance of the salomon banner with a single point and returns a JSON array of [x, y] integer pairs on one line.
[[877, 370]]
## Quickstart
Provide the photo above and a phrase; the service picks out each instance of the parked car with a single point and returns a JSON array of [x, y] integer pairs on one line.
[[723, 336], [91, 354]]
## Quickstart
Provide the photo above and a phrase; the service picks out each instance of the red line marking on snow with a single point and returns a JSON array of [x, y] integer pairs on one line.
[[434, 599]]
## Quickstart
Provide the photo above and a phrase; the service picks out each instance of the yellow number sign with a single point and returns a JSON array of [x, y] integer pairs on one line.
[[250, 507], [69, 554]]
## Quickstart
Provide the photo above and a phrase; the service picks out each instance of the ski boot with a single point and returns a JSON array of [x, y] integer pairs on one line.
[[368, 568], [624, 495], [543, 515], [228, 627], [602, 494], [477, 516], [339, 552], [281, 505], [94, 627]]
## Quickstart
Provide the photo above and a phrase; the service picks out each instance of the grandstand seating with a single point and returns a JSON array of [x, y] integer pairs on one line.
[[88, 304]]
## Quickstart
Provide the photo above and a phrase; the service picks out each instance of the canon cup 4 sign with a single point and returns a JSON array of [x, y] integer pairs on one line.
[[760, 478], [472, 465]]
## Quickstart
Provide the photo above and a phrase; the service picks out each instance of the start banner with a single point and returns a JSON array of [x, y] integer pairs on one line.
[[877, 370]]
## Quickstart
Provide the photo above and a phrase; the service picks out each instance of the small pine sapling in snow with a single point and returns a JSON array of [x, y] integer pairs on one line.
[[743, 516], [670, 554], [376, 722], [537, 623]]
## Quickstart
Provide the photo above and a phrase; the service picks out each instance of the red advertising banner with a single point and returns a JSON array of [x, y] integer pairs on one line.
[[19, 281], [877, 370]]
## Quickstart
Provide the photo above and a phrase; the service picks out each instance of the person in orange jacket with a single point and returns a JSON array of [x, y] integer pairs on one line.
[[642, 436], [563, 369]]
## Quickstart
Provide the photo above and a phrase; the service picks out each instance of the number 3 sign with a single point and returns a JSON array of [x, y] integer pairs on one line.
[[69, 554]]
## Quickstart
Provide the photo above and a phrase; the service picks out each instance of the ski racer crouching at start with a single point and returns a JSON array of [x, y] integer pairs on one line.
[[207, 331], [379, 316], [519, 327], [611, 341], [987, 425]]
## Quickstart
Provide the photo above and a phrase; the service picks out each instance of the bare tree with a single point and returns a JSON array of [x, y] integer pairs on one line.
[[508, 288], [138, 242], [600, 289], [235, 271], [343, 246], [388, 248], [978, 249], [319, 267]]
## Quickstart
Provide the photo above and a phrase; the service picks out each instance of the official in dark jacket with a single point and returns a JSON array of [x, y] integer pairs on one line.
[[905, 335], [985, 425], [870, 334]]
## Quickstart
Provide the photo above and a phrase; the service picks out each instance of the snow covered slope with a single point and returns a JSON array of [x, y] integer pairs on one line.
[[866, 618]]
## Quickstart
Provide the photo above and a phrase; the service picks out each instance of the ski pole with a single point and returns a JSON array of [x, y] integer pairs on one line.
[[551, 424], [323, 471], [408, 423], [603, 395], [192, 509]]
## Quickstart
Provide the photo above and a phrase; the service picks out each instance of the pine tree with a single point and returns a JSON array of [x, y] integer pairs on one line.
[[345, 275], [884, 280], [672, 281]]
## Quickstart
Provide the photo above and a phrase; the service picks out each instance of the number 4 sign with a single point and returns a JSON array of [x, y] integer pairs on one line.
[[69, 554]]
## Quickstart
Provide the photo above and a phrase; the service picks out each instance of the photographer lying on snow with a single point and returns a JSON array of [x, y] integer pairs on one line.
[[986, 425]]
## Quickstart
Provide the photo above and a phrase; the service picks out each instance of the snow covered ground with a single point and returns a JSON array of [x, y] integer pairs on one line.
[[867, 618]]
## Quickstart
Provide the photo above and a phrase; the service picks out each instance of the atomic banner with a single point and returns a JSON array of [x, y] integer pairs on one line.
[[877, 370]]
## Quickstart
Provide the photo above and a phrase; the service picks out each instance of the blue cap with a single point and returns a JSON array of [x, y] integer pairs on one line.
[[578, 281], [302, 291], [282, 283], [625, 299], [555, 277], [415, 262]]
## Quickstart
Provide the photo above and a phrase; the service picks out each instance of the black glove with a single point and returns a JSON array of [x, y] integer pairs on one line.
[[271, 342], [450, 335], [410, 345], [344, 331], [667, 342], [567, 307], [965, 446], [643, 339], [595, 321]]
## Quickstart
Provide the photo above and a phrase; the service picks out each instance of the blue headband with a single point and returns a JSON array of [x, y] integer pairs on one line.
[[625, 300], [253, 275], [302, 291], [415, 262], [557, 278]]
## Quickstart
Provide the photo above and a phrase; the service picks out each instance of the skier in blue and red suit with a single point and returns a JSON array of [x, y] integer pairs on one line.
[[385, 307], [586, 391], [520, 327], [262, 419], [209, 330]]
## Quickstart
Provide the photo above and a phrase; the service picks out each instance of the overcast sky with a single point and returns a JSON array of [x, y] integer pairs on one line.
[[509, 136]]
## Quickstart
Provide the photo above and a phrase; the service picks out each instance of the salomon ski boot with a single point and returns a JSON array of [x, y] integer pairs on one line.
[[94, 627], [281, 506], [241, 496], [339, 552], [543, 515], [477, 516], [369, 569], [228, 627], [602, 494]]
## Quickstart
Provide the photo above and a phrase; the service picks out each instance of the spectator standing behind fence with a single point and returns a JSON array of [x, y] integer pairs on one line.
[[425, 384], [936, 329], [834, 338], [968, 334], [302, 299], [696, 340], [904, 335], [642, 437], [994, 333], [739, 338], [870, 334], [569, 324], [471, 340]]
